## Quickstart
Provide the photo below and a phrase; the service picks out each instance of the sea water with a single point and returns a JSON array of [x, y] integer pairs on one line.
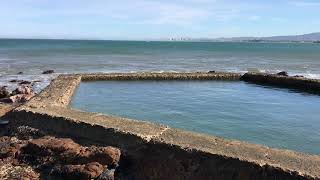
[[68, 56], [275, 117]]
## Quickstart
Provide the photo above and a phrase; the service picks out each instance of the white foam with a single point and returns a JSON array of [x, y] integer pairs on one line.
[[310, 75], [44, 80]]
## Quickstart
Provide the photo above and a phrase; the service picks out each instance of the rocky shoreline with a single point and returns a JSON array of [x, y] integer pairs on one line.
[[30, 154], [27, 153]]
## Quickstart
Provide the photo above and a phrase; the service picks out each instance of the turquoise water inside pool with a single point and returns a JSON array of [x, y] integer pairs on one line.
[[274, 117]]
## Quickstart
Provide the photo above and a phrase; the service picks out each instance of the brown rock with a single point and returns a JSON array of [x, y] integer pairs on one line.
[[49, 145], [19, 98], [78, 172], [104, 155], [48, 71], [9, 148], [4, 92]]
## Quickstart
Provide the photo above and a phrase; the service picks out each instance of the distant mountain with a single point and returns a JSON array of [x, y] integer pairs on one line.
[[312, 37]]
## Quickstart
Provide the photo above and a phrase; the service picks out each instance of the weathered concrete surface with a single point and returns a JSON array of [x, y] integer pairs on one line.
[[58, 93], [158, 151], [161, 76], [309, 85]]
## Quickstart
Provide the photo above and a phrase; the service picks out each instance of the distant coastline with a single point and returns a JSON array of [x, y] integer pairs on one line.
[[304, 38]]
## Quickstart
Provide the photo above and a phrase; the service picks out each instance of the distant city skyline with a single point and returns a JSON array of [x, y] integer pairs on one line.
[[151, 19]]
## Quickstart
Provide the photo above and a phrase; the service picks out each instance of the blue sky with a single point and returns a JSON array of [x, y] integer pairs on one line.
[[145, 19]]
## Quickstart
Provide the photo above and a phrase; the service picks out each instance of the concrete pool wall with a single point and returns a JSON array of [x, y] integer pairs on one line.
[[161, 152]]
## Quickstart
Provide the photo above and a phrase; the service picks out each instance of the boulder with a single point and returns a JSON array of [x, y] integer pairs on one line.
[[104, 155], [282, 73], [49, 146], [78, 172], [212, 72], [48, 71], [4, 92], [20, 72]]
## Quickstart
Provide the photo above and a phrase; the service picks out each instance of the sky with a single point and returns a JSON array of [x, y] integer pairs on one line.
[[155, 19]]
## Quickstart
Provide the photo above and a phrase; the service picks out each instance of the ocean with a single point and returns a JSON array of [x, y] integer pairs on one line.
[[274, 117], [73, 56]]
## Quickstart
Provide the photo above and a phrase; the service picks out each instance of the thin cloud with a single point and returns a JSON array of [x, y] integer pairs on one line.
[[305, 3]]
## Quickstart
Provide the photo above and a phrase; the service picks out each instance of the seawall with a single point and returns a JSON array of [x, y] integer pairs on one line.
[[301, 83], [157, 151]]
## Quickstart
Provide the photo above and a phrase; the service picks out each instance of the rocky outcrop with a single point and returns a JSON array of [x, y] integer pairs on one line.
[[25, 82], [23, 89], [4, 92], [56, 158], [283, 73], [48, 71], [78, 172], [20, 95], [19, 98]]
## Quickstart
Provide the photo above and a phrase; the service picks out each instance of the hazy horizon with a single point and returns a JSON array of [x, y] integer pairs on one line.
[[150, 19]]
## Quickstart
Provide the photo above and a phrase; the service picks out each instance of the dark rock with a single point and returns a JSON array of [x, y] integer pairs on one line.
[[5, 100], [24, 82], [26, 133], [48, 72], [15, 81], [282, 73], [78, 172], [107, 175], [4, 92], [9, 147], [212, 72], [299, 76], [20, 72]]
